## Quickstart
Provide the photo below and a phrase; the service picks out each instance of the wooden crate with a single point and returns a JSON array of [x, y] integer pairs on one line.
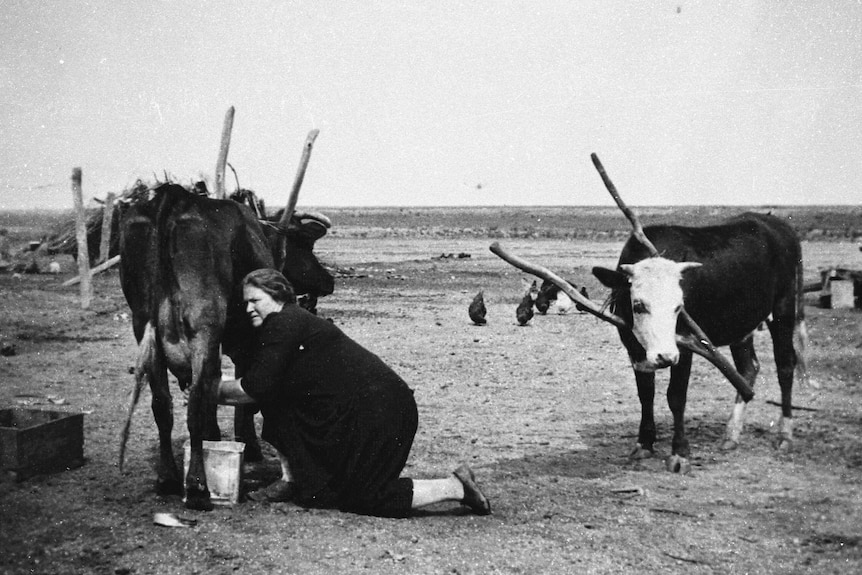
[[840, 288], [842, 294], [36, 441]]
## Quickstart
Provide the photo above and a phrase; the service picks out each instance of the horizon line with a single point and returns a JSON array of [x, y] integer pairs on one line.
[[507, 206]]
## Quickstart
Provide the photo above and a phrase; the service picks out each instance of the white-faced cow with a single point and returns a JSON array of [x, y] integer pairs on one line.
[[730, 277], [183, 257]]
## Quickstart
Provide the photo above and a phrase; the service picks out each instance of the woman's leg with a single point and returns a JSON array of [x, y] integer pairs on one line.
[[279, 490], [430, 491], [286, 476], [461, 487]]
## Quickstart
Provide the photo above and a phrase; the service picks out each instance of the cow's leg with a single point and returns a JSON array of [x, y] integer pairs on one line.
[[201, 414], [168, 480], [243, 422], [646, 433], [677, 391], [244, 431], [800, 330], [209, 413], [782, 329], [197, 492], [745, 360], [800, 345]]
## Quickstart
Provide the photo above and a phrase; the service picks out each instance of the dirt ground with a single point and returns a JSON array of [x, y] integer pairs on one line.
[[545, 414]]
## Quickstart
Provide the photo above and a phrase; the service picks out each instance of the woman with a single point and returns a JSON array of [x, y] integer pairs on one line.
[[340, 419]]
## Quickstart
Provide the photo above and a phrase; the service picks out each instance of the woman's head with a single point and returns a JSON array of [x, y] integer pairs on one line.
[[265, 291]]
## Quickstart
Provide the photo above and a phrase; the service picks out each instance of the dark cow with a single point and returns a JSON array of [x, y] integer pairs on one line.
[[293, 249], [295, 252], [731, 278], [183, 257]]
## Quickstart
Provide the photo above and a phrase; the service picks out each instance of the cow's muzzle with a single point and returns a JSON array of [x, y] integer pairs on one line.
[[657, 362]]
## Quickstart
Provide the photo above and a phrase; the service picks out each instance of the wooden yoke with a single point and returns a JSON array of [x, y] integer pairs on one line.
[[697, 341], [297, 182], [688, 342], [565, 286]]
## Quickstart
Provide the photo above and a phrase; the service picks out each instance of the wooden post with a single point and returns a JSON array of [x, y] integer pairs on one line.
[[107, 220], [222, 153], [81, 236]]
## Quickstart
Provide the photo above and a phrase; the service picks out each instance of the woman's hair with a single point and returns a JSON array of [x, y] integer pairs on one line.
[[273, 283]]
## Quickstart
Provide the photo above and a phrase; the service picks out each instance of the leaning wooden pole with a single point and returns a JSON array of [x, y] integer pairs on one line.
[[297, 182], [222, 153], [699, 335], [107, 264], [81, 237]]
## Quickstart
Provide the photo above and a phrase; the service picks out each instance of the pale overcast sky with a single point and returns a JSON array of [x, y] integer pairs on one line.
[[438, 102]]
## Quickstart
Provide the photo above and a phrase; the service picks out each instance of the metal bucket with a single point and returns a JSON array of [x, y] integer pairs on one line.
[[223, 468]]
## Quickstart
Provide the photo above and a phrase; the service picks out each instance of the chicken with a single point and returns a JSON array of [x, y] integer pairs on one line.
[[477, 309], [524, 311]]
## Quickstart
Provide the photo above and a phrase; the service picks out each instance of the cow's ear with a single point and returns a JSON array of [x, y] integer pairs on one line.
[[611, 278]]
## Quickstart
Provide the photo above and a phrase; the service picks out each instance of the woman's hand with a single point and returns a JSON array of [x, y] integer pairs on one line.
[[230, 392]]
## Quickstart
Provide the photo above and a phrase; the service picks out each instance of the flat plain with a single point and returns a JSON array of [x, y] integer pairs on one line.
[[546, 415]]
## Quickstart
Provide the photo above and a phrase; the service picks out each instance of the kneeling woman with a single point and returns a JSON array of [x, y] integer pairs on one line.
[[342, 421]]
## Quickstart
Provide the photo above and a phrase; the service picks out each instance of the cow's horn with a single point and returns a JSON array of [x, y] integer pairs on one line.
[[316, 216]]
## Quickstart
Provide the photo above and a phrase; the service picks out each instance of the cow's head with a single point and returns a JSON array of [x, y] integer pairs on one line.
[[653, 286]]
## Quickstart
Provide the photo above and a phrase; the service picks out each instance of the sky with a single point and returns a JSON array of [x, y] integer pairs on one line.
[[437, 103]]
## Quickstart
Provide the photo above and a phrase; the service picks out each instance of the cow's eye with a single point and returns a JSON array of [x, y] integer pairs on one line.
[[639, 307], [677, 309]]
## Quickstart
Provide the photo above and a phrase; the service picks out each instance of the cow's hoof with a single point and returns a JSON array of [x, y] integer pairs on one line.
[[729, 445], [169, 487], [677, 464], [640, 452], [252, 453], [199, 500], [784, 445]]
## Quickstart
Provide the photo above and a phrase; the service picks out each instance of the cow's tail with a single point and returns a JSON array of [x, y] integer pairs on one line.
[[800, 332], [143, 374]]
